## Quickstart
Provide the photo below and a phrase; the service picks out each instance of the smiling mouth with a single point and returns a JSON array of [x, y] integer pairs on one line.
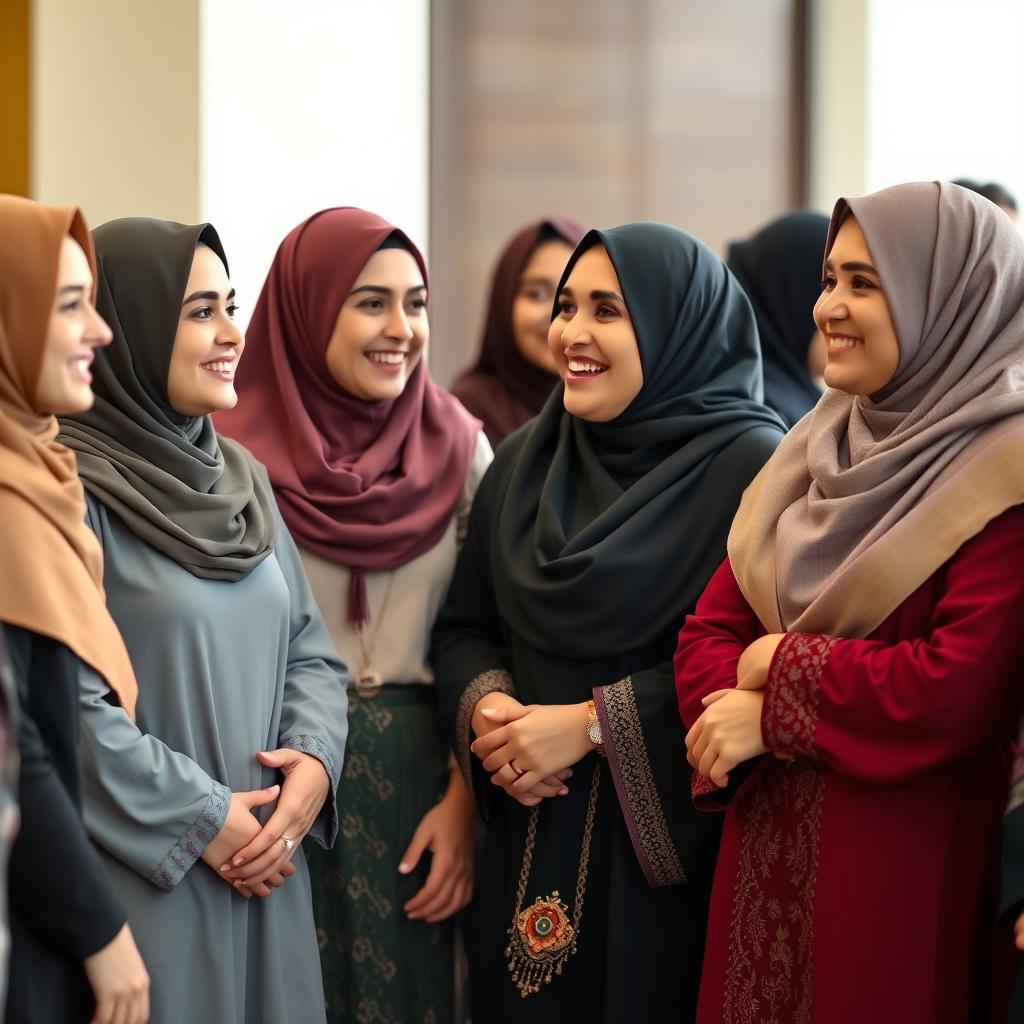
[[583, 368], [842, 343], [223, 369], [80, 368], [389, 362]]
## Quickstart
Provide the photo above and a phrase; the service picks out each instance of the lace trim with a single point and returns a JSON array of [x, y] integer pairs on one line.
[[495, 680], [771, 933], [189, 848], [325, 829], [623, 736], [790, 715]]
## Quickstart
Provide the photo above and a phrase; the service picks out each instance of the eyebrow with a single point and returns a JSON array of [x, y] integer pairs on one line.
[[853, 266], [379, 289], [597, 295], [209, 296], [68, 288]]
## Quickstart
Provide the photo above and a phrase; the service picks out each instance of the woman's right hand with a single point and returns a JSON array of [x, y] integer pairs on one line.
[[119, 981], [237, 831], [553, 785]]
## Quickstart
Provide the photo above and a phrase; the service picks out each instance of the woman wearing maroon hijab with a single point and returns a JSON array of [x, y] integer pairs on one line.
[[515, 372], [374, 467]]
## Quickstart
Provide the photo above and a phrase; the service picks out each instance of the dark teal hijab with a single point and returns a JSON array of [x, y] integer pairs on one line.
[[601, 536]]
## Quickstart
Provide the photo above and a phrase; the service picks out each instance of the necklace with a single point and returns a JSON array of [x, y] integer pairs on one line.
[[368, 680], [542, 936]]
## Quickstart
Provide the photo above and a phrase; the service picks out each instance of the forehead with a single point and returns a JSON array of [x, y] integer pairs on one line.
[[207, 268], [548, 259], [73, 262], [393, 267], [850, 242], [594, 271]]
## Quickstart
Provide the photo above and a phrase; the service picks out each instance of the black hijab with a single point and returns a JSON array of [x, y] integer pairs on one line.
[[597, 530], [780, 270], [199, 499]]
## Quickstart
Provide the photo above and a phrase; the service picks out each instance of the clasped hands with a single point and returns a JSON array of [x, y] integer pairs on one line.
[[729, 730], [529, 749], [252, 857]]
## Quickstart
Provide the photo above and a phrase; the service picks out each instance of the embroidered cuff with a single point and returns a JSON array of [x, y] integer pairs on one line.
[[325, 829], [623, 736], [495, 680], [189, 848], [790, 713]]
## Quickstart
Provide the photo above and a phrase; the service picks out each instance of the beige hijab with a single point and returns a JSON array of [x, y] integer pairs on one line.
[[867, 497], [52, 579]]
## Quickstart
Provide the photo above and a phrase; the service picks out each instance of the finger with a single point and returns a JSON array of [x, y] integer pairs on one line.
[[427, 892], [420, 841], [503, 755], [276, 880], [545, 790], [441, 897], [482, 746], [260, 797], [267, 837], [275, 758], [144, 1007], [505, 714], [719, 772], [526, 782], [708, 759], [691, 738], [104, 1011], [703, 741], [257, 870], [504, 777], [119, 1014], [712, 697], [526, 799]]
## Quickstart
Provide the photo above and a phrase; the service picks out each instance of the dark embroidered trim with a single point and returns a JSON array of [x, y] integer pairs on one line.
[[790, 715], [494, 680], [325, 829], [189, 848], [623, 736], [771, 935]]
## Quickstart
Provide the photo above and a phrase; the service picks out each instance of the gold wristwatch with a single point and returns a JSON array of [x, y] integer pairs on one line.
[[594, 728]]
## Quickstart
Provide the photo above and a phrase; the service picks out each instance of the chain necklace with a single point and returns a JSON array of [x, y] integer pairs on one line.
[[368, 680], [542, 937]]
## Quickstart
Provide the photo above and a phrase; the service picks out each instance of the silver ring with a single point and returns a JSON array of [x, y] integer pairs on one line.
[[288, 844]]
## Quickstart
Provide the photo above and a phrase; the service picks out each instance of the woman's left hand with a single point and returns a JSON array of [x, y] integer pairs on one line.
[[756, 660], [305, 788], [542, 740], [447, 831], [728, 733]]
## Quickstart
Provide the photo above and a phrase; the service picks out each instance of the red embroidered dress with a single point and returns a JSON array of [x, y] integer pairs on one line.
[[857, 882]]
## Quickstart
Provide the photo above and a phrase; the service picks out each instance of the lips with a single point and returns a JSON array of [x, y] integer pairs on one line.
[[223, 369], [583, 368], [80, 368], [839, 343]]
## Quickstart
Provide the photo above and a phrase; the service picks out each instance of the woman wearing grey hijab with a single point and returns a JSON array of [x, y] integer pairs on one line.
[[865, 630], [241, 718]]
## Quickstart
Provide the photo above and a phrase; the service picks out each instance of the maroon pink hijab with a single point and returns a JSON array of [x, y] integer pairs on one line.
[[504, 388], [370, 485]]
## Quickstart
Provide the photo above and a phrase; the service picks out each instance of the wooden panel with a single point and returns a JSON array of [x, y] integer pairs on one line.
[[14, 97], [674, 110]]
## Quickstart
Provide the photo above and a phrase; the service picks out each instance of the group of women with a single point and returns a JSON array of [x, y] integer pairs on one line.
[[284, 623]]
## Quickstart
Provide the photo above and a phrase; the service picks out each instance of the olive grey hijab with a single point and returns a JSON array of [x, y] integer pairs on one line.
[[868, 496], [199, 499]]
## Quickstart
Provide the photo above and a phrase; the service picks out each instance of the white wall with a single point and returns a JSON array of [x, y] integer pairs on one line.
[[314, 104]]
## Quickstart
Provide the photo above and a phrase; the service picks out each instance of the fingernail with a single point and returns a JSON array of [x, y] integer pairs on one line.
[[224, 867], [487, 713], [404, 868], [238, 861], [563, 791]]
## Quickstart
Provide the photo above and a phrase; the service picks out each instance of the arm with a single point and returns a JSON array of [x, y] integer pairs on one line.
[[56, 879], [893, 711]]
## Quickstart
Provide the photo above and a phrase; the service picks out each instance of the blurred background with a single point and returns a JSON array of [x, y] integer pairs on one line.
[[459, 120]]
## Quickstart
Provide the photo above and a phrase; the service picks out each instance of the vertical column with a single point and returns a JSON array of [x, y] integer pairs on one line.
[[14, 97]]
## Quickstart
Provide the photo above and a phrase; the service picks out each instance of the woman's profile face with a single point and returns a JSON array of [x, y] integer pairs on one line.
[[208, 343], [382, 328], [593, 343], [535, 295], [854, 317], [74, 332]]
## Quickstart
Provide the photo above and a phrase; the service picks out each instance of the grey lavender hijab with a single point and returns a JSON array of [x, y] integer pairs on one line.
[[867, 497], [200, 499]]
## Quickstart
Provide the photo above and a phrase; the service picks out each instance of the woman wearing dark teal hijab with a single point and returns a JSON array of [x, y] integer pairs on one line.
[[591, 538]]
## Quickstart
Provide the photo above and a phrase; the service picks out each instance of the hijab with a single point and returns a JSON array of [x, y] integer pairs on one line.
[[606, 523], [504, 388], [780, 270], [868, 496], [52, 579], [369, 485], [199, 499]]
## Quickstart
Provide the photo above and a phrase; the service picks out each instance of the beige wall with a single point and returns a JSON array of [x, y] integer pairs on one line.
[[115, 102]]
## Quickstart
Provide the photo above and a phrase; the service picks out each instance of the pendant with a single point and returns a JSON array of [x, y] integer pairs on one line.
[[542, 941], [368, 682]]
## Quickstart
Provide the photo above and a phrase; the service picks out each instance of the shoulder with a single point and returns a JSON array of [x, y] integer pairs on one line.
[[746, 454]]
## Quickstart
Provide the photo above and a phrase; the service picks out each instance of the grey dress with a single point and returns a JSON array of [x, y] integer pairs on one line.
[[225, 669]]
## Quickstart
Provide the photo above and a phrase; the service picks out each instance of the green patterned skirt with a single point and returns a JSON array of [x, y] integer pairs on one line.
[[378, 966]]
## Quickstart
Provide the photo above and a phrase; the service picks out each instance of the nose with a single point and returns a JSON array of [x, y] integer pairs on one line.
[[397, 327], [230, 334], [97, 330], [576, 332], [831, 307]]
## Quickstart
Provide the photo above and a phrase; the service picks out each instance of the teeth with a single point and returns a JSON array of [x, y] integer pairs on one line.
[[387, 358], [840, 344], [219, 367], [578, 366]]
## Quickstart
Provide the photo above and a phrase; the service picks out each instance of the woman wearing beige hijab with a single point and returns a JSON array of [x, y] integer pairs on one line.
[[73, 958], [865, 630]]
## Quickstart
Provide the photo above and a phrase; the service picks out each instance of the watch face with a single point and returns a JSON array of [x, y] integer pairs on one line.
[[594, 731]]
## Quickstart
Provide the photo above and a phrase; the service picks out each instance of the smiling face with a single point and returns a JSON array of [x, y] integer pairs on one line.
[[382, 328], [74, 331], [208, 344], [593, 343], [853, 315], [531, 310]]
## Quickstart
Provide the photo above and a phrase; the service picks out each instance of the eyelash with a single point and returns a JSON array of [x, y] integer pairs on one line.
[[231, 311], [377, 305], [568, 309], [858, 283], [71, 307]]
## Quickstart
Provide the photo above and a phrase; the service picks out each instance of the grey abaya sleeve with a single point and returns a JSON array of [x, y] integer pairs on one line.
[[151, 807], [314, 714]]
